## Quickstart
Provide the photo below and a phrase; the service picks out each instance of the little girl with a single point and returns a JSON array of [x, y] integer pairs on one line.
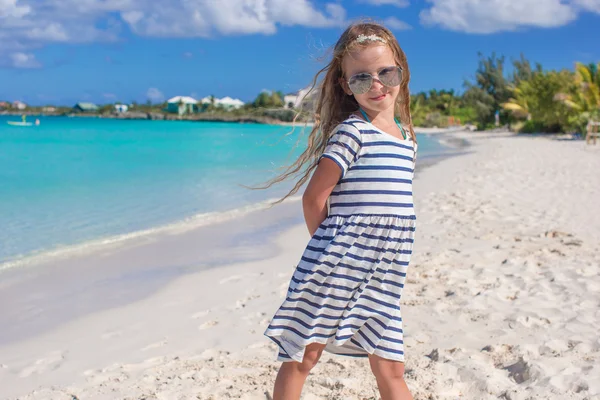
[[344, 296]]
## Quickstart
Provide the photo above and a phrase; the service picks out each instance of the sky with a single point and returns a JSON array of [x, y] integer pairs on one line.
[[104, 51]]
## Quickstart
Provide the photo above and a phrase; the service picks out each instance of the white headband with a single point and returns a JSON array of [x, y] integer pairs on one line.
[[374, 38]]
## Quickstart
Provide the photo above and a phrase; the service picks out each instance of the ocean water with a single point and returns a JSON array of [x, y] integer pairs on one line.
[[74, 181]]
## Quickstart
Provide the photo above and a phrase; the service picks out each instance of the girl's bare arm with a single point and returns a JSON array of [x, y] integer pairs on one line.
[[320, 186]]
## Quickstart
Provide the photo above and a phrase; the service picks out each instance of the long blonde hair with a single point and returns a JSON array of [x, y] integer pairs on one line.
[[334, 105]]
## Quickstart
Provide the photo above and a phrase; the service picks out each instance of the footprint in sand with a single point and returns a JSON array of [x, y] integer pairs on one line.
[[261, 345], [49, 363], [235, 278], [254, 316], [155, 345], [242, 303], [208, 324], [111, 334], [200, 314]]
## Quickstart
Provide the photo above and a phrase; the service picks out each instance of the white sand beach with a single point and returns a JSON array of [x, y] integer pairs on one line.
[[502, 300]]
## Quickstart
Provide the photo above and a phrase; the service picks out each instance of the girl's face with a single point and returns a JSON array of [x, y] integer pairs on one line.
[[372, 59]]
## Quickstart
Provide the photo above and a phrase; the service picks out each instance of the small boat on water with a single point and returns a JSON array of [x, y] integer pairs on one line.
[[19, 123], [23, 122]]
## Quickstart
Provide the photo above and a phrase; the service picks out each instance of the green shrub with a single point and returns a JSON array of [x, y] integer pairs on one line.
[[282, 114], [533, 126], [465, 114]]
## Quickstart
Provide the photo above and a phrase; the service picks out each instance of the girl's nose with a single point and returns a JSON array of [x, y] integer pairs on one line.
[[377, 82]]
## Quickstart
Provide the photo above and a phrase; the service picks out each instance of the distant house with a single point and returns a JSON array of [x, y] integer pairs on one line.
[[230, 104], [19, 105], [182, 105], [226, 102], [208, 100], [85, 107], [4, 105], [295, 100], [49, 109], [289, 100], [121, 108]]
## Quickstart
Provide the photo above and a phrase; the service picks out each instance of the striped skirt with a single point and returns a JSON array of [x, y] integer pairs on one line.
[[345, 292]]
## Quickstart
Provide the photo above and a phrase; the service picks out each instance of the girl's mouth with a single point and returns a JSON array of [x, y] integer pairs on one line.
[[379, 98]]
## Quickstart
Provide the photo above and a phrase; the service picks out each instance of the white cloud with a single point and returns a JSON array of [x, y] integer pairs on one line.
[[10, 9], [397, 3], [53, 32], [395, 24], [29, 24], [155, 95], [24, 60], [589, 5], [488, 16], [228, 17], [337, 14]]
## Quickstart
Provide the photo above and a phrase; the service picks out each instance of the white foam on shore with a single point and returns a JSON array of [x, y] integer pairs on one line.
[[178, 227]]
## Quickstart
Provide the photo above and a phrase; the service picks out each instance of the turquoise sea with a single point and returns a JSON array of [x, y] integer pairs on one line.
[[73, 181]]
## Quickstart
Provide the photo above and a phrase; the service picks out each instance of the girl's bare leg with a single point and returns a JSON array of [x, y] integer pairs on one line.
[[390, 378], [292, 375]]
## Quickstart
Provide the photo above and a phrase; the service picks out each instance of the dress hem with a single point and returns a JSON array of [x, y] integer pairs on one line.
[[328, 348]]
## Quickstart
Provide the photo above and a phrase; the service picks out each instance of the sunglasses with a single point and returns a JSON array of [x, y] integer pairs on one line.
[[361, 83]]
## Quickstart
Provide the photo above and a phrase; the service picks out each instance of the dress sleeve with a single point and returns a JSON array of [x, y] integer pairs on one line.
[[343, 146]]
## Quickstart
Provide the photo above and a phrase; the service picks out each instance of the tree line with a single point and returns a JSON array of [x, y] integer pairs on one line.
[[528, 99], [522, 96]]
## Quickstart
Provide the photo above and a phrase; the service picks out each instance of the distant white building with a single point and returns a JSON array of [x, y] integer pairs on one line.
[[207, 100], [19, 105], [226, 102], [289, 100], [121, 108], [294, 100], [182, 105], [229, 103]]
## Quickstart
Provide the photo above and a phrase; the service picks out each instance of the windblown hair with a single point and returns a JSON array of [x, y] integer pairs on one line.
[[334, 105]]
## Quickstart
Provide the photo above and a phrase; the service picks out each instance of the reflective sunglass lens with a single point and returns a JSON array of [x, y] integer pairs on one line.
[[391, 76], [360, 84]]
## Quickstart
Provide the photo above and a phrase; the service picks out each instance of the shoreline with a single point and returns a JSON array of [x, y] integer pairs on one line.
[[155, 116], [192, 222], [503, 306], [201, 117], [453, 144]]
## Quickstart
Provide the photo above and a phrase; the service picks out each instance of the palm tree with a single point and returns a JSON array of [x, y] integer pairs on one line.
[[518, 104], [587, 78], [585, 97]]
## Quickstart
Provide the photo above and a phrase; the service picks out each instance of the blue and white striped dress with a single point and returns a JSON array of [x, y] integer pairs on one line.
[[346, 289]]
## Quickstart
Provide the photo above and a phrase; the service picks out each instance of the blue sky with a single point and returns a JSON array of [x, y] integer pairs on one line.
[[63, 51]]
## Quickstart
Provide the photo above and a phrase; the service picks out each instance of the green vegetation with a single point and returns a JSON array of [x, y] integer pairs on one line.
[[440, 108], [268, 100], [528, 100]]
